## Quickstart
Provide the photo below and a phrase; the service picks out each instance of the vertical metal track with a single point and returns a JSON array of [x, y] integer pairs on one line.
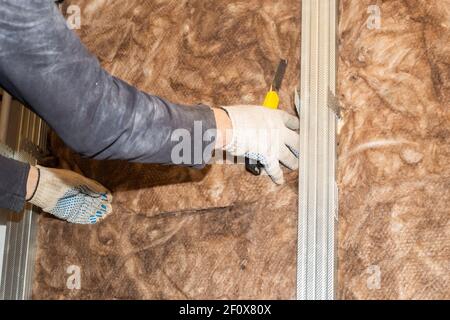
[[318, 192], [22, 131], [4, 116]]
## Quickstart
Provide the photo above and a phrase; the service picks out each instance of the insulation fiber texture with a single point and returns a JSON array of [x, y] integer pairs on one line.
[[179, 233], [394, 152]]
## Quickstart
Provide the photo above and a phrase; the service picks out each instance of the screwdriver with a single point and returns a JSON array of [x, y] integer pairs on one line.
[[271, 101]]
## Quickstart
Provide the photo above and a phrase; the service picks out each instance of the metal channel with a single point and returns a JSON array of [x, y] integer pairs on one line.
[[318, 192], [20, 129], [4, 116]]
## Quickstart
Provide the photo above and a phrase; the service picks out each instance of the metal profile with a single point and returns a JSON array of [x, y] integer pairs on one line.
[[23, 131], [318, 192], [4, 115]]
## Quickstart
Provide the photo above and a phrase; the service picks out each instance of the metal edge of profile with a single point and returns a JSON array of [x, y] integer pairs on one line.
[[318, 193], [19, 230]]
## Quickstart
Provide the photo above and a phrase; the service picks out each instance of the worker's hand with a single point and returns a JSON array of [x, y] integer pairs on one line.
[[265, 135], [70, 196]]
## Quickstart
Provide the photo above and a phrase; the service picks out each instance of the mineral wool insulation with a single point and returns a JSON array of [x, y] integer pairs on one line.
[[221, 233], [394, 153], [176, 232]]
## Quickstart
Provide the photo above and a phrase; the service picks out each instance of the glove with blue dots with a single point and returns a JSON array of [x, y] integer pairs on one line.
[[71, 197]]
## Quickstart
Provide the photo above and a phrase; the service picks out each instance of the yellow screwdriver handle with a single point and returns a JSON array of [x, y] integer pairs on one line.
[[272, 100]]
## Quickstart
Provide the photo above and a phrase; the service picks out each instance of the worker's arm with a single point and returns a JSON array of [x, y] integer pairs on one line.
[[13, 183], [45, 65]]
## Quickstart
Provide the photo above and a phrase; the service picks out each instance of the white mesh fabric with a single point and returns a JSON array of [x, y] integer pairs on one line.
[[81, 205]]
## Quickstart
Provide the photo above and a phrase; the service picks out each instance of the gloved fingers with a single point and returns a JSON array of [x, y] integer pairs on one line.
[[102, 211], [288, 159], [290, 121], [273, 169], [97, 190], [108, 197], [95, 186], [99, 194], [292, 140], [83, 209]]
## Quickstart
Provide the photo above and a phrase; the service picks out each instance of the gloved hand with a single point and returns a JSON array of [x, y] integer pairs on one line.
[[71, 197], [265, 135]]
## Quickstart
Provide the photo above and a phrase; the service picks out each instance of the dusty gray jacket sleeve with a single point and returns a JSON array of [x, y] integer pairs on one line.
[[13, 183], [45, 65]]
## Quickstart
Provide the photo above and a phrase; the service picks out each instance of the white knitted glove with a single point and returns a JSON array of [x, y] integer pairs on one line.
[[265, 135], [71, 197]]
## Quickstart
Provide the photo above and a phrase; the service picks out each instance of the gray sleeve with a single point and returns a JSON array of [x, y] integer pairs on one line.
[[45, 65], [13, 183]]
